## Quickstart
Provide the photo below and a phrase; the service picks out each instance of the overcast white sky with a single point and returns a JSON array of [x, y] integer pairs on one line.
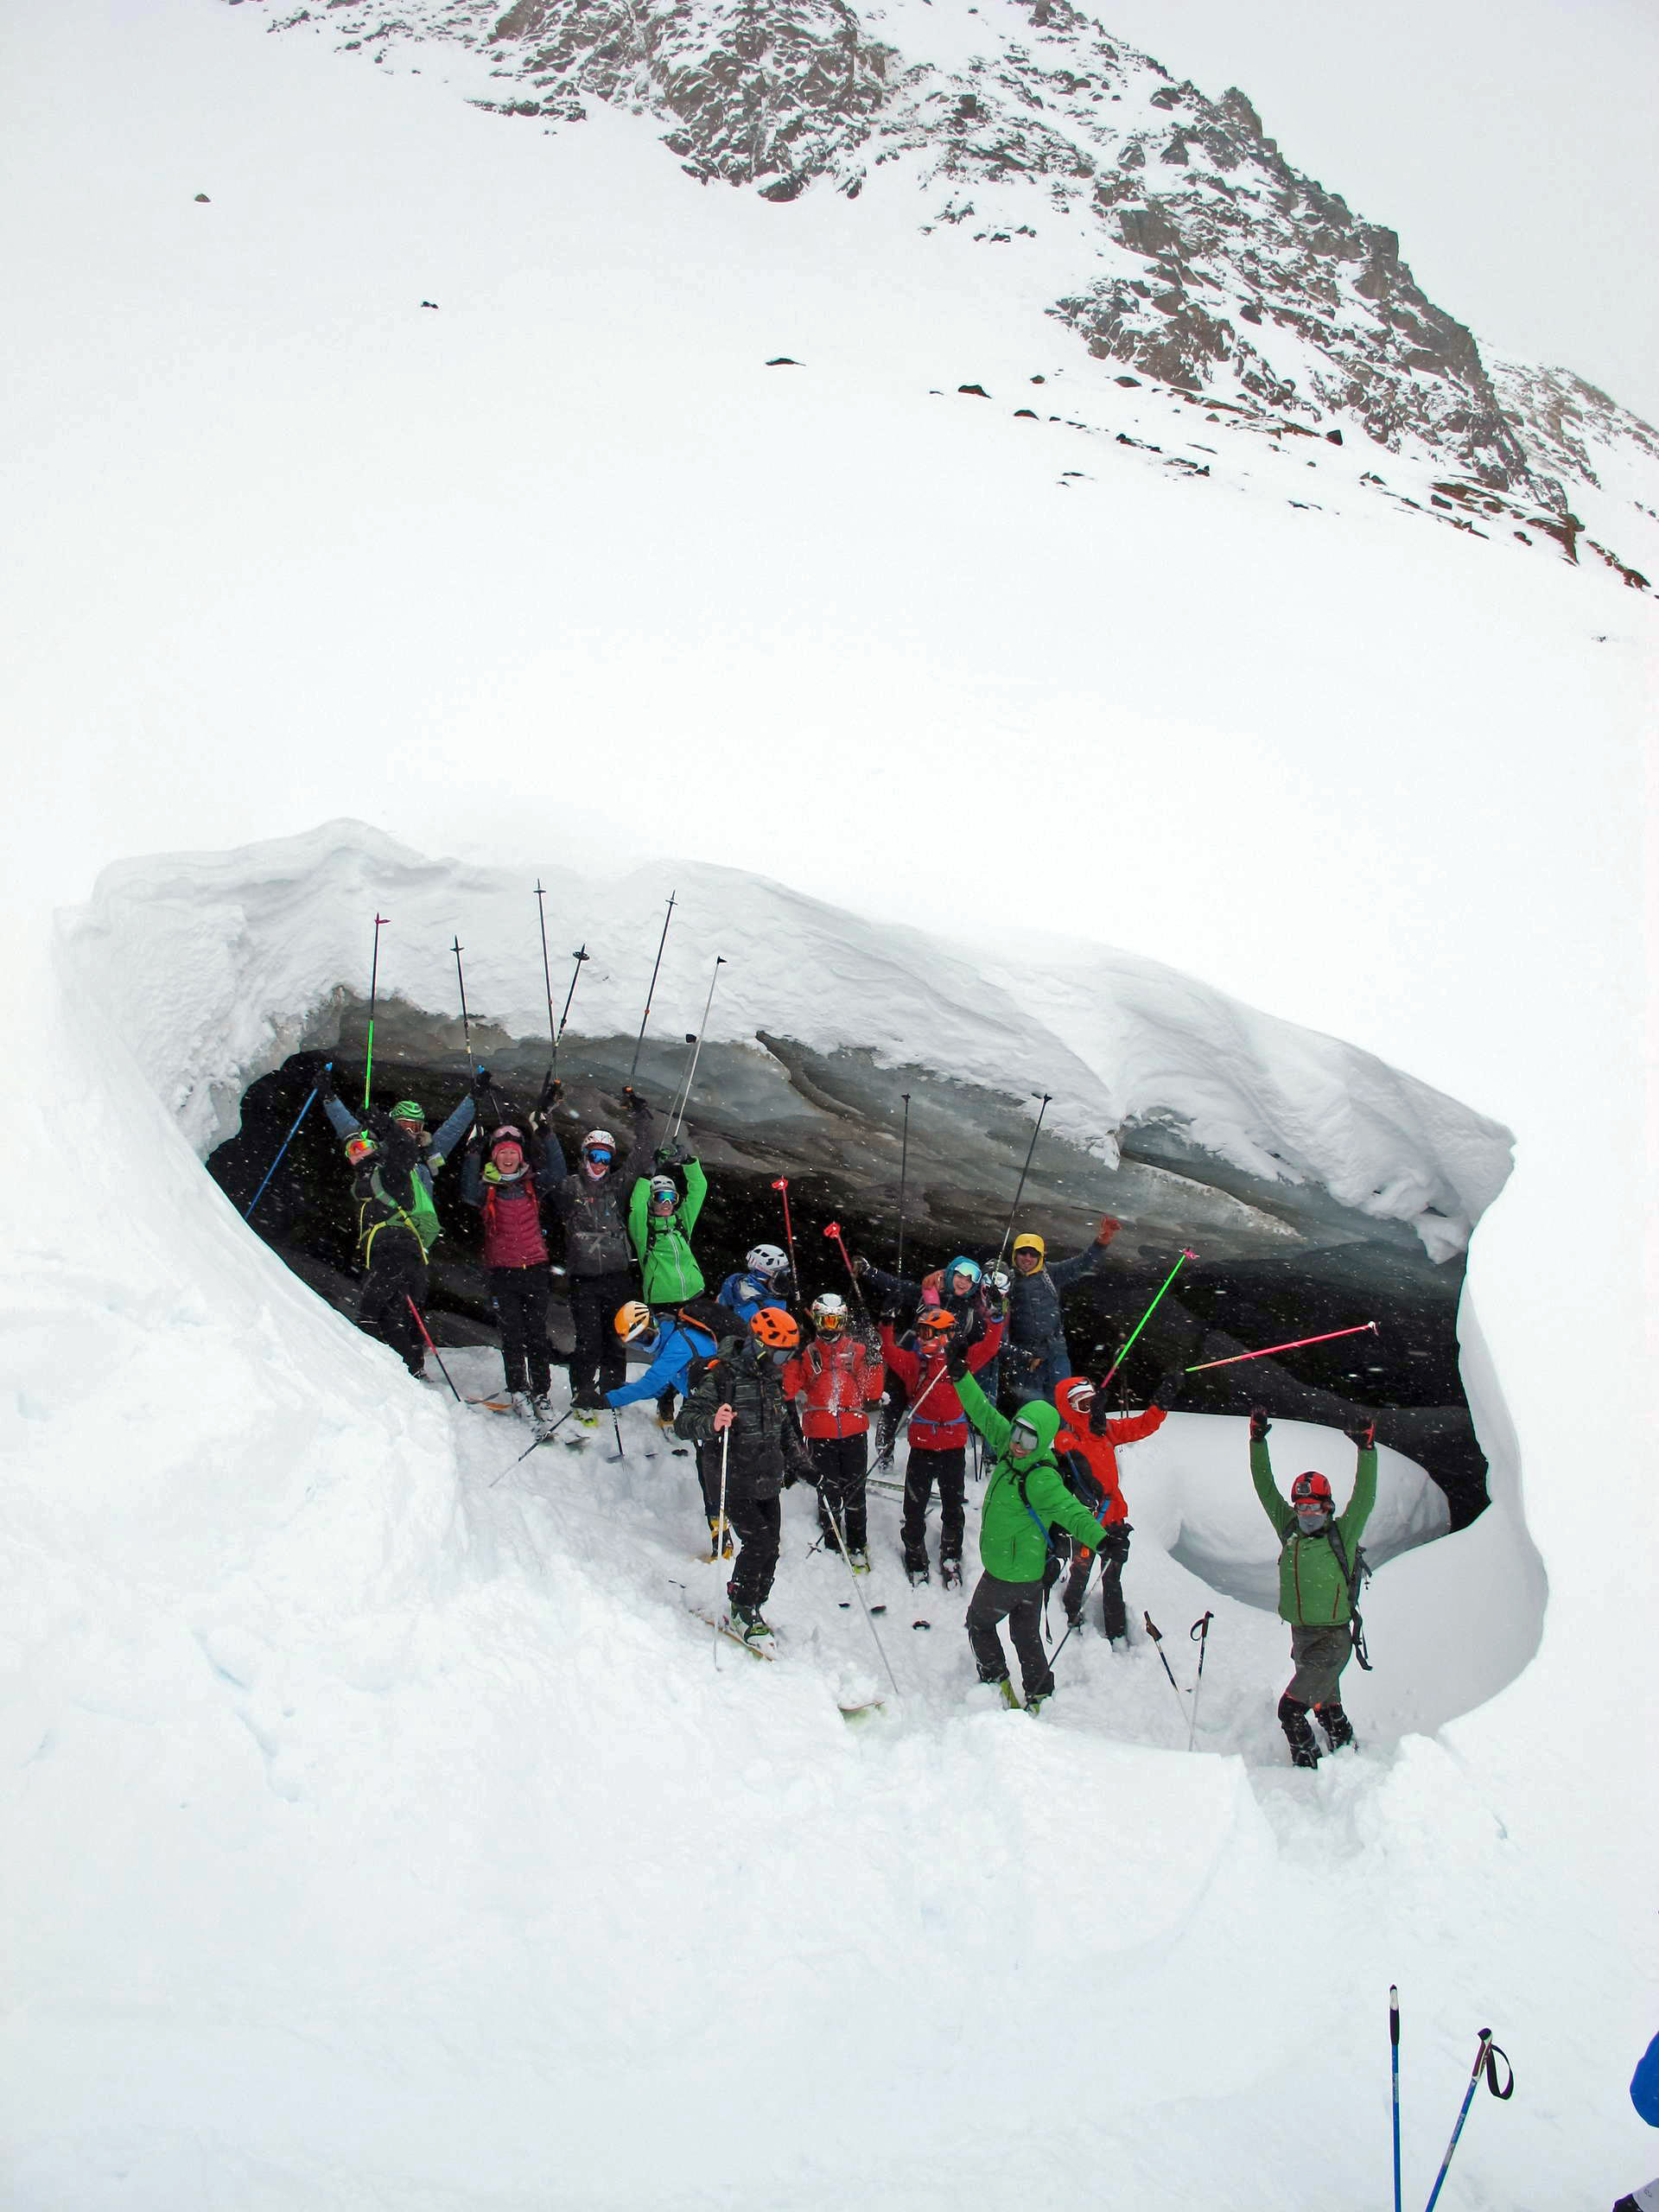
[[1510, 143]]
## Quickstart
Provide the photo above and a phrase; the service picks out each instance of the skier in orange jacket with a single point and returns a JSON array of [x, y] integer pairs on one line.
[[1087, 1448]]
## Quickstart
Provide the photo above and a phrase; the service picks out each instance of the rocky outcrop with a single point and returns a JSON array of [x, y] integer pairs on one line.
[[1205, 261]]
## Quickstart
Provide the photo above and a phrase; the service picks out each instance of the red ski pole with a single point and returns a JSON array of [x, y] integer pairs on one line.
[[833, 1230], [781, 1183], [1233, 1359], [431, 1347]]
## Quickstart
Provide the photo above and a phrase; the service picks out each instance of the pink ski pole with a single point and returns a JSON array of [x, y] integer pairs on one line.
[[1295, 1344]]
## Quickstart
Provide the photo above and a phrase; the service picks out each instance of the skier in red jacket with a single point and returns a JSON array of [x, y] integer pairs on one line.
[[1087, 1448], [834, 1382], [938, 1437]]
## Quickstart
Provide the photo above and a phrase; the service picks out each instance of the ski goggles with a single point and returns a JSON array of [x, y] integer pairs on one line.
[[1023, 1439], [601, 1154]]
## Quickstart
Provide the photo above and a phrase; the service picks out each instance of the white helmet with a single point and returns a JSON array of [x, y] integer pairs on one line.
[[830, 1314], [766, 1260], [595, 1138]]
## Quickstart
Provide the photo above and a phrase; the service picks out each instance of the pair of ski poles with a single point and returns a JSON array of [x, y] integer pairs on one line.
[[1487, 2055], [1199, 1633]]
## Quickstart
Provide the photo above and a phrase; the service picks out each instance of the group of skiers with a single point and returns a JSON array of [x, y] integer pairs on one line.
[[969, 1350]]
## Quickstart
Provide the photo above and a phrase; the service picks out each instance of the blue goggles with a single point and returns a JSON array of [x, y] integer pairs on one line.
[[601, 1154]]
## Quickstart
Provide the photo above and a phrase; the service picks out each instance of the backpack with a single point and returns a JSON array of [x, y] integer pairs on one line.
[[1354, 1577]]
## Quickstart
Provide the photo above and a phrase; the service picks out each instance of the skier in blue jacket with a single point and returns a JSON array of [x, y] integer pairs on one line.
[[673, 1347], [1645, 2095], [763, 1280]]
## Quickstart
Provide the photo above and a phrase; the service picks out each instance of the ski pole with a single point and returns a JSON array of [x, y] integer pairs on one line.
[[247, 1213], [650, 988], [1487, 2054], [1294, 1345], [531, 1446], [431, 1347], [1394, 2069], [381, 921], [465, 1024], [547, 978], [869, 1618], [781, 1183], [578, 957], [904, 1170], [1200, 1634], [1152, 1631], [1047, 1099], [1146, 1316], [719, 1545], [833, 1230], [616, 1423], [691, 1075], [1076, 1618]]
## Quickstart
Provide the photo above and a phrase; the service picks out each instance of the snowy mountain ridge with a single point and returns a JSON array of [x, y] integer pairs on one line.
[[1163, 228]]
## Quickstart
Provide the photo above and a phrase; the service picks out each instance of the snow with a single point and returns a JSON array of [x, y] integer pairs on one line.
[[378, 1835]]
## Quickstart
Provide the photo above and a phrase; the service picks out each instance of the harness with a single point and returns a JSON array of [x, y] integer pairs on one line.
[[398, 1217]]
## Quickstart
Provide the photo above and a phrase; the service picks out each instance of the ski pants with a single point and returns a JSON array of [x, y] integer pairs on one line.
[[397, 1274], [519, 1297], [599, 1363], [1032, 1371], [838, 1467], [1319, 1656], [1019, 1604], [888, 1416], [1113, 1557], [949, 1469], [709, 1477], [757, 1523]]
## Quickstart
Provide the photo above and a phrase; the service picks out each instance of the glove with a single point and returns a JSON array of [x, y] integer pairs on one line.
[[1168, 1385], [1259, 1424], [322, 1079], [861, 1265], [1098, 1417], [955, 1363], [479, 1085], [1109, 1228], [551, 1088], [671, 1154], [1362, 1432], [636, 1104]]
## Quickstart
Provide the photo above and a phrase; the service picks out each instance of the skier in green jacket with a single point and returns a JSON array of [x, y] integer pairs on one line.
[[1318, 1572], [1024, 1495], [660, 1223]]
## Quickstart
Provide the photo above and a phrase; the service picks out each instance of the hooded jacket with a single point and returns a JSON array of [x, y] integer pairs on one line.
[[662, 1242], [1035, 1324], [1099, 1452], [1024, 1498], [741, 1375], [973, 1315], [937, 1421], [1312, 1591]]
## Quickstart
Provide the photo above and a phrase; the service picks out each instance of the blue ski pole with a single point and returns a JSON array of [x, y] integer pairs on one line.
[[247, 1211], [1487, 2055], [1394, 2062]]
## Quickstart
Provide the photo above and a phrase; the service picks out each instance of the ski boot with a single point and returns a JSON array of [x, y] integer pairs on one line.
[[1293, 1719], [1036, 1704], [917, 1570], [1336, 1723], [750, 1629], [860, 1558], [719, 1541], [541, 1415], [1010, 1696], [950, 1573]]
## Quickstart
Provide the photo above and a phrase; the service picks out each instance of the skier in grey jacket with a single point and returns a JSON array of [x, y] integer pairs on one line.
[[591, 1201], [1035, 1361]]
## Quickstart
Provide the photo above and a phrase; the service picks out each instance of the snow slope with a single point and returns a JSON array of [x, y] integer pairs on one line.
[[370, 1841]]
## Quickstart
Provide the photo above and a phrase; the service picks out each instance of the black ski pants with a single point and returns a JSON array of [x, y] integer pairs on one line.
[[1019, 1604], [949, 1469], [839, 1464], [599, 1363], [757, 1523], [397, 1274], [519, 1297], [1113, 1557]]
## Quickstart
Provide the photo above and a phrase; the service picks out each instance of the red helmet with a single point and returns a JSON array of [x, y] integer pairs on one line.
[[1311, 1489], [778, 1331]]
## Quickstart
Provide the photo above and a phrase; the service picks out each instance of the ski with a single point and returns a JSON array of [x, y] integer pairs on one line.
[[724, 1627]]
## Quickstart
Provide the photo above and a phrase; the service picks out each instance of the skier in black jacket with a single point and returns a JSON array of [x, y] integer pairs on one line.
[[738, 1403], [591, 1201], [1035, 1361]]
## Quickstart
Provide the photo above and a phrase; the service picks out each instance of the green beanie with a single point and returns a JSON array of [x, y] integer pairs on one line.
[[409, 1110]]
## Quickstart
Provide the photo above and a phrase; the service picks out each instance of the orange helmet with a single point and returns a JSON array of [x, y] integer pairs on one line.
[[776, 1330], [632, 1320], [935, 1323]]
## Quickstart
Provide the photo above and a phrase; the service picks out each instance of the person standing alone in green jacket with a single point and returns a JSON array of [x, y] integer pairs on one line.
[[660, 1223], [1318, 1571], [1024, 1496]]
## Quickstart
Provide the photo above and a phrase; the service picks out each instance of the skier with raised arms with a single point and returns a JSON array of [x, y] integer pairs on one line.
[[1319, 1567], [737, 1403], [393, 1160], [1087, 1448], [1025, 1497], [599, 1254], [938, 1435], [660, 1223], [506, 1188], [1037, 1360]]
